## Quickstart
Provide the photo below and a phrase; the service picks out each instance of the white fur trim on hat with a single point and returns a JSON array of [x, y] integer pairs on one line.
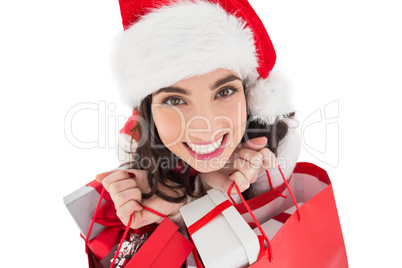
[[179, 41], [191, 38]]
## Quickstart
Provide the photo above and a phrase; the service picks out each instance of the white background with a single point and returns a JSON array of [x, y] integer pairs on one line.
[[54, 55]]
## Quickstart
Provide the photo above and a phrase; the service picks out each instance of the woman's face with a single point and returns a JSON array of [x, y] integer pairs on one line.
[[202, 119]]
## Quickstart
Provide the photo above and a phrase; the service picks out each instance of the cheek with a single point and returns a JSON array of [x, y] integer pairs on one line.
[[168, 122], [236, 112]]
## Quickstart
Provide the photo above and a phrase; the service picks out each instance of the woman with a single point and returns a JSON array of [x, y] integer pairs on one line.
[[208, 111]]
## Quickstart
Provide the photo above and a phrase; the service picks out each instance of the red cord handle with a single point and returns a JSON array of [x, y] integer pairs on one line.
[[291, 194], [153, 211], [93, 221], [272, 187], [121, 241], [254, 219], [125, 231], [270, 257]]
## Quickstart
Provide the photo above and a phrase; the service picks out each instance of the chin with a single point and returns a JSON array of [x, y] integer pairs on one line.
[[210, 165], [207, 166]]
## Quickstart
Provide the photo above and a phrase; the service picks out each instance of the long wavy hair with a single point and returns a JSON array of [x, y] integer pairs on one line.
[[161, 162]]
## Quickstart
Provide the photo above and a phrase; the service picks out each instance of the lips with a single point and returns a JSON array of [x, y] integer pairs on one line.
[[205, 148], [207, 151]]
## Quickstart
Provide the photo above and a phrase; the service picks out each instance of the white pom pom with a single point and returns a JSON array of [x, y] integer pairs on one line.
[[270, 98]]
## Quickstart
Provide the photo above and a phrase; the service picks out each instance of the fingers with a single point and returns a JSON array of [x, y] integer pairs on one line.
[[124, 212], [116, 176], [121, 185], [254, 158], [245, 173], [269, 159], [127, 201], [255, 144], [248, 165], [126, 198], [251, 150], [125, 188], [141, 178], [218, 180], [262, 159], [241, 181], [100, 177], [124, 192], [144, 217]]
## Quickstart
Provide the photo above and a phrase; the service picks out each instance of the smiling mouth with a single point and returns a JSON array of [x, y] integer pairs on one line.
[[204, 149]]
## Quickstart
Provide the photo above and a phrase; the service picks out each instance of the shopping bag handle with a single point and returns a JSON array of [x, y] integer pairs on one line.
[[269, 179], [272, 187], [254, 219], [128, 228], [125, 231], [270, 257], [291, 194]]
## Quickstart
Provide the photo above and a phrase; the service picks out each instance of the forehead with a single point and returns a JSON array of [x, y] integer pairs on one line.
[[208, 79]]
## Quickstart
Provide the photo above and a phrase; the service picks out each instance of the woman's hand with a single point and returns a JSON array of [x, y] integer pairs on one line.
[[125, 188], [243, 167]]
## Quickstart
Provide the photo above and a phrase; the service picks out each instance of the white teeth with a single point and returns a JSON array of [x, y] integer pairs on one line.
[[205, 148]]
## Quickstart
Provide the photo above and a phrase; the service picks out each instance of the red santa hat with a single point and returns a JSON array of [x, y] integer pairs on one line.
[[166, 41]]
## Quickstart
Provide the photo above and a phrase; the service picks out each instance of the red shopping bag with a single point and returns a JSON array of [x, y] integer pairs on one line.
[[310, 237], [314, 240], [165, 247]]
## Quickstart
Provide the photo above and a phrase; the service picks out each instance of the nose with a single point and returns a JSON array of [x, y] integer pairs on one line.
[[204, 126]]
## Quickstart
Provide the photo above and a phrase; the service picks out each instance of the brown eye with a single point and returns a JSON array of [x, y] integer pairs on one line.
[[226, 92], [173, 101]]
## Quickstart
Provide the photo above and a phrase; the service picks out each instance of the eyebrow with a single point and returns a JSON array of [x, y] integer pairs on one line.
[[179, 90], [225, 80], [172, 89]]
